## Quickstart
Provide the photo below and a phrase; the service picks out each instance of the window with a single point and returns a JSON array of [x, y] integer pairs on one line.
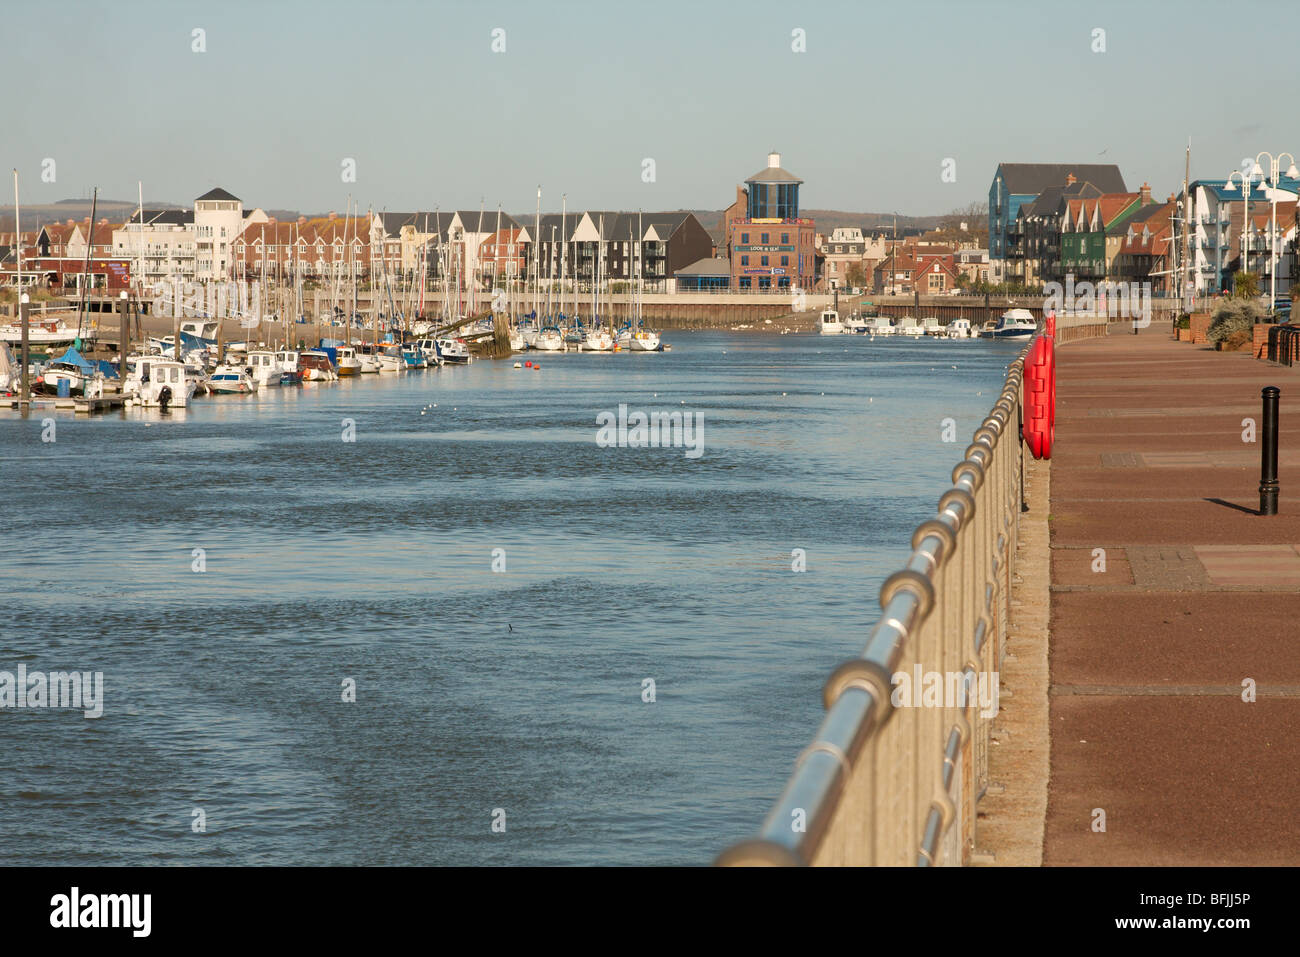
[[744, 239], [785, 238], [744, 260], [744, 282], [785, 261], [763, 239], [763, 261]]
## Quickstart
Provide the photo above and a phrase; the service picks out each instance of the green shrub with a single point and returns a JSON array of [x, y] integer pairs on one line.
[[1234, 316], [1184, 321]]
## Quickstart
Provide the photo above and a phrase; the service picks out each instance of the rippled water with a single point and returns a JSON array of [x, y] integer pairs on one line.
[[476, 690]]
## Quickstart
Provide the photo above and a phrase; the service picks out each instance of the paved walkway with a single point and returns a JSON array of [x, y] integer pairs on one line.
[[1198, 594]]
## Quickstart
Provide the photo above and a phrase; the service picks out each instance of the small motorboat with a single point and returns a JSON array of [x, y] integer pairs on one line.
[[1013, 324], [231, 379], [829, 324], [453, 350], [262, 366], [317, 367], [349, 363]]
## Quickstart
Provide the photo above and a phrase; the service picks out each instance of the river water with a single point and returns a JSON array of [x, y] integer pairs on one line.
[[513, 695]]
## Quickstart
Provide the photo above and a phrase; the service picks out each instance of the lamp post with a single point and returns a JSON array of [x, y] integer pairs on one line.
[[1245, 212], [1275, 165]]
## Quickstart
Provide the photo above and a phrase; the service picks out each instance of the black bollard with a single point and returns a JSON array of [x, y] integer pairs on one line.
[[1268, 487]]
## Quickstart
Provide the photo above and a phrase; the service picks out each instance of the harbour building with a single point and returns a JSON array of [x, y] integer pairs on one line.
[[770, 246]]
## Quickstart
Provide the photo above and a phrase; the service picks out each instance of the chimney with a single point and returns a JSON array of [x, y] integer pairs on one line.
[[1145, 193], [72, 222], [1170, 200], [302, 220], [333, 215], [1069, 179], [773, 160]]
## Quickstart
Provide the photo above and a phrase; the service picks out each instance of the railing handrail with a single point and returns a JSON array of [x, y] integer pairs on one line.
[[857, 694]]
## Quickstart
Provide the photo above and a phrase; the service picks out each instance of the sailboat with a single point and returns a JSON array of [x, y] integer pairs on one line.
[[641, 339]]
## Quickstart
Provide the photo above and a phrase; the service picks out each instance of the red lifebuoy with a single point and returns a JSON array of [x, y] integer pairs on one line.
[[1040, 397]]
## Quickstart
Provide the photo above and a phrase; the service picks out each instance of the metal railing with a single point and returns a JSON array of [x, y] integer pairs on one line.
[[890, 784], [1284, 344]]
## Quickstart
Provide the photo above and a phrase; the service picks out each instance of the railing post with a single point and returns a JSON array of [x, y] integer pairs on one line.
[[1268, 484]]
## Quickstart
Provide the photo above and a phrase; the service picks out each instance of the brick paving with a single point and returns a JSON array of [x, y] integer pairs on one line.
[[1197, 594]]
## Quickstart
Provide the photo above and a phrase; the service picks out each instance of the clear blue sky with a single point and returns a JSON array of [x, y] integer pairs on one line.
[[586, 90]]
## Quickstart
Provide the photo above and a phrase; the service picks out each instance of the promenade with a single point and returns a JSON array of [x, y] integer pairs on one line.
[[1197, 594]]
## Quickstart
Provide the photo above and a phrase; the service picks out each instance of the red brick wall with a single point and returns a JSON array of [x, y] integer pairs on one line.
[[1200, 324], [1259, 344]]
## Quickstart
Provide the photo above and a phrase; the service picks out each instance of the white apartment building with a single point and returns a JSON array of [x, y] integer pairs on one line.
[[1217, 220], [186, 245]]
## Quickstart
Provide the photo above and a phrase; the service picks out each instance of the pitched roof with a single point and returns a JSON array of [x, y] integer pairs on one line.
[[163, 217], [1030, 178], [773, 174], [219, 193], [709, 266]]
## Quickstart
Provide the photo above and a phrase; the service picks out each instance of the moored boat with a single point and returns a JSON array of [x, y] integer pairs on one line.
[[1013, 324], [231, 379]]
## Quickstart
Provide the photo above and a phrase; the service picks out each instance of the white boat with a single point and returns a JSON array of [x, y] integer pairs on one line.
[[316, 366], [857, 324], [349, 364], [517, 343], [598, 340], [1013, 324], [908, 326], [262, 366], [288, 362], [429, 348], [931, 326], [643, 340], [43, 333], [550, 339], [200, 328], [10, 374], [829, 324], [960, 329], [390, 359], [455, 351], [231, 379], [163, 382], [880, 326]]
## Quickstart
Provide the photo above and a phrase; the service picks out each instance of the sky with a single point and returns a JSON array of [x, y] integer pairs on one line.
[[881, 100]]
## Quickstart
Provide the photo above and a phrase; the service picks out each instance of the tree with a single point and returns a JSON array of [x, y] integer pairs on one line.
[[856, 277], [1245, 285]]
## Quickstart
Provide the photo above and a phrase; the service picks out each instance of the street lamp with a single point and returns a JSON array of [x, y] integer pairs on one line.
[[1245, 210], [1275, 163]]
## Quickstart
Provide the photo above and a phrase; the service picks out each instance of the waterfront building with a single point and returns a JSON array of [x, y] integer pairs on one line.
[[1147, 250], [1218, 247], [845, 248], [772, 247], [1016, 185], [218, 221], [1091, 233]]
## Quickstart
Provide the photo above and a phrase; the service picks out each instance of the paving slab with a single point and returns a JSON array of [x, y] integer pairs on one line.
[[1197, 606]]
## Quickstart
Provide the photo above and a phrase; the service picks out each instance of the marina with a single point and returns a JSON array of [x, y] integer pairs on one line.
[[373, 559]]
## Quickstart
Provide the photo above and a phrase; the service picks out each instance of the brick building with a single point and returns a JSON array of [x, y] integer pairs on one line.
[[770, 247]]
